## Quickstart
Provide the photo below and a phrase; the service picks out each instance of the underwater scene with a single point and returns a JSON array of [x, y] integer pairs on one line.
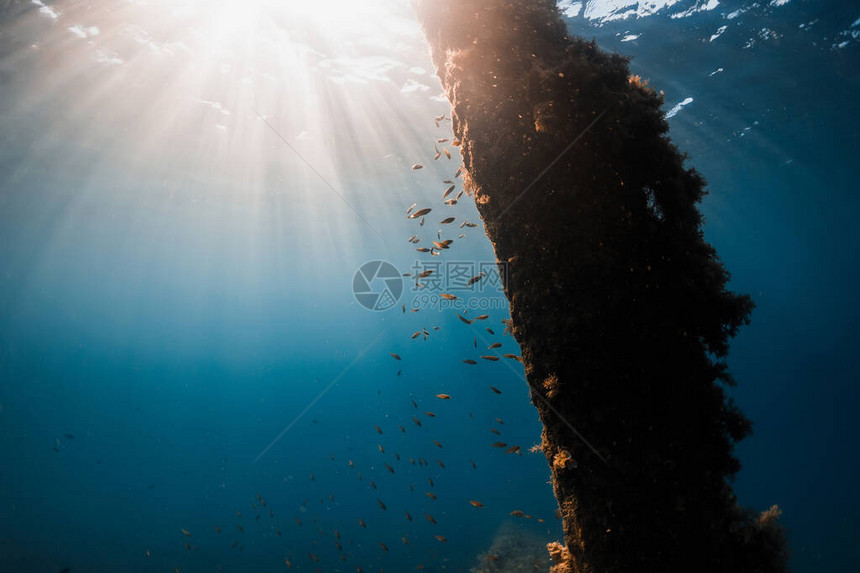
[[478, 286]]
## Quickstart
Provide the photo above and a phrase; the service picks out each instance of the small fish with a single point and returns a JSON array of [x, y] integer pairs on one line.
[[395, 356], [373, 485], [493, 358], [499, 420], [518, 513], [456, 143], [476, 503], [288, 563], [440, 464], [409, 210], [452, 202], [443, 396], [402, 429], [495, 345], [495, 431], [242, 529], [423, 250], [437, 443], [447, 296], [414, 405], [448, 191], [459, 171], [437, 156], [361, 523], [382, 546], [469, 361], [419, 213], [430, 414], [381, 449], [416, 334], [447, 220], [490, 330], [390, 469], [430, 495], [430, 518], [513, 357], [186, 532], [464, 319], [448, 182], [416, 420], [217, 529], [440, 538], [498, 445], [514, 450], [482, 317], [417, 166], [473, 464], [414, 239], [439, 117], [442, 140], [447, 153]]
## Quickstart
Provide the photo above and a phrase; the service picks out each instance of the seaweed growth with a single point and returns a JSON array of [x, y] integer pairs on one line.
[[618, 303]]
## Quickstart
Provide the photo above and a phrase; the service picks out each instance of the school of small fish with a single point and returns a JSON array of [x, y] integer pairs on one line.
[[339, 543]]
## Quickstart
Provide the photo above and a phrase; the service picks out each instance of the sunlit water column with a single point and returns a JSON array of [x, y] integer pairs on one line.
[[619, 304]]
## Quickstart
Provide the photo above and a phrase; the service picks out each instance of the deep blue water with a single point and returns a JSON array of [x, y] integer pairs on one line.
[[176, 296]]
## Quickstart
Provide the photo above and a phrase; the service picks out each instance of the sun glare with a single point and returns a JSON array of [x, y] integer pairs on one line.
[[208, 93]]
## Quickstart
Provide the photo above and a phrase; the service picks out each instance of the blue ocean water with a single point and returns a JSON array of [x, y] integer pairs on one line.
[[187, 193]]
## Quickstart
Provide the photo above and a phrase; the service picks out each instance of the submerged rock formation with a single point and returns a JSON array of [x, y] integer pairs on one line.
[[618, 303], [513, 550]]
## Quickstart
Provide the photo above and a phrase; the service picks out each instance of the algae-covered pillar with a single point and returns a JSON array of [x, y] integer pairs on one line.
[[618, 303]]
